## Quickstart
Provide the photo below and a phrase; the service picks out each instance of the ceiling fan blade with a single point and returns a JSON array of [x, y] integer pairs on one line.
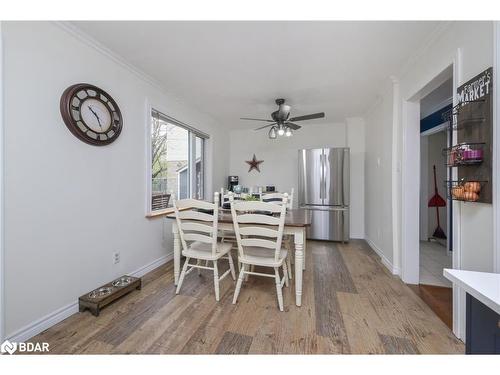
[[308, 117], [255, 119], [266, 126], [293, 126]]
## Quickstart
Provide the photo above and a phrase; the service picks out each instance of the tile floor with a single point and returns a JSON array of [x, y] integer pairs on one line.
[[433, 258]]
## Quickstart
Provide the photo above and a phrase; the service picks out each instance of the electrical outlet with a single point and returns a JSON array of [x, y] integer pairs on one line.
[[116, 257]]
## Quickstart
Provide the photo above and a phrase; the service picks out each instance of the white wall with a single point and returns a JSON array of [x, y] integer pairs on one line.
[[475, 41], [378, 167], [69, 205], [280, 167]]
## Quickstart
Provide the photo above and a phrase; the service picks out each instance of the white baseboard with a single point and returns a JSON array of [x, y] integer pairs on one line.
[[65, 312], [383, 258], [357, 236], [152, 266], [42, 324]]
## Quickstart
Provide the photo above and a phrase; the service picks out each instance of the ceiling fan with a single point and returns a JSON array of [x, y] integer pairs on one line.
[[281, 123]]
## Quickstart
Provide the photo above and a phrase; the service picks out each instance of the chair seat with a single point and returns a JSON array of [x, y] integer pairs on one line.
[[202, 250], [262, 257]]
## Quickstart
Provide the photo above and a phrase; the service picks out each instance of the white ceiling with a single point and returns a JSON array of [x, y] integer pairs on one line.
[[237, 69]]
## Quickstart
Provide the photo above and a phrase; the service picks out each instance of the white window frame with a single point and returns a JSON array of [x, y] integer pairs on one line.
[[192, 134]]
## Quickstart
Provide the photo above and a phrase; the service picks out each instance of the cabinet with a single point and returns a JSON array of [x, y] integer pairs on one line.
[[482, 328]]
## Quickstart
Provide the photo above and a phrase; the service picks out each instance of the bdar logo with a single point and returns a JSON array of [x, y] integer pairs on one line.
[[24, 347], [8, 347]]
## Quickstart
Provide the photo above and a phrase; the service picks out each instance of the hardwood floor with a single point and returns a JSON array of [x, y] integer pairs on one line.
[[351, 304], [439, 299]]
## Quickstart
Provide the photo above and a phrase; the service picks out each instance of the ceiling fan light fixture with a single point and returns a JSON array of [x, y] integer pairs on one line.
[[281, 131], [288, 132], [272, 132]]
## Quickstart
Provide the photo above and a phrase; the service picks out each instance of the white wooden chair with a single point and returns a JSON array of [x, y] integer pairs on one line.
[[287, 240], [197, 222], [278, 198], [259, 238]]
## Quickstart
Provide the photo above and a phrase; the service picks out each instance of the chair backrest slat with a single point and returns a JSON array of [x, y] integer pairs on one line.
[[195, 215], [258, 219], [258, 242], [258, 231], [278, 198], [197, 237], [253, 226], [194, 204], [259, 206], [195, 225]]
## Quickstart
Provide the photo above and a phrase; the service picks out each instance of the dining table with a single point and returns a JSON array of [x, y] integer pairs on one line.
[[296, 223]]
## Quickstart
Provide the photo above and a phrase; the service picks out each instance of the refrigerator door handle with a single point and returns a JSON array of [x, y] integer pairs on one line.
[[322, 181]]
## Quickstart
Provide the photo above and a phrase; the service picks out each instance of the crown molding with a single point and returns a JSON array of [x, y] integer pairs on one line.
[[88, 40], [438, 31], [99, 47]]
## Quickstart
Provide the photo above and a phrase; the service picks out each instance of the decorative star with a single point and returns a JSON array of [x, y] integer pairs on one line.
[[254, 164]]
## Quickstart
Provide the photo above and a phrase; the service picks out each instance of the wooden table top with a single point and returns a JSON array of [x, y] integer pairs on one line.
[[294, 218]]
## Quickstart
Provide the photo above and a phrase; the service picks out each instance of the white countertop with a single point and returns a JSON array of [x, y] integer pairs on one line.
[[483, 286]]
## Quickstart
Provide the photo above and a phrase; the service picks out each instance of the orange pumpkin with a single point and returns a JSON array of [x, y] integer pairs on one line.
[[473, 186], [470, 196]]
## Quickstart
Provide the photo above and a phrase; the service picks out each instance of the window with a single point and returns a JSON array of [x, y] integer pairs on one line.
[[177, 161]]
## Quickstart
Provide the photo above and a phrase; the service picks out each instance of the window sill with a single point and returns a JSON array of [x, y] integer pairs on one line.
[[164, 212], [160, 213]]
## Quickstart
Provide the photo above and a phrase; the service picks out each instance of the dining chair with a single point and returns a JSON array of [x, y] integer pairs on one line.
[[287, 239], [197, 222], [259, 236], [278, 197]]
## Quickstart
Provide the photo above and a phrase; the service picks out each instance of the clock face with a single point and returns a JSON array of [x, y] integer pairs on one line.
[[91, 114], [96, 115]]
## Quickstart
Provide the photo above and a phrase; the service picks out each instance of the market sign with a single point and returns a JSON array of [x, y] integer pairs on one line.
[[476, 88]]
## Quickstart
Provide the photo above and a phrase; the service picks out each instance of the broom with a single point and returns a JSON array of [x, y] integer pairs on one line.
[[437, 201]]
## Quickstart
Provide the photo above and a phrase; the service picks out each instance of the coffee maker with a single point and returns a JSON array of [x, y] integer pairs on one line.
[[232, 181]]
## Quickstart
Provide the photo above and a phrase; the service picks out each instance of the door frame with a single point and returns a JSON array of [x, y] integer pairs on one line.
[[410, 185], [496, 145], [2, 200]]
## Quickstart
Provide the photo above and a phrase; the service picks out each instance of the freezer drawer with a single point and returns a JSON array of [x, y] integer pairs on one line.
[[328, 224]]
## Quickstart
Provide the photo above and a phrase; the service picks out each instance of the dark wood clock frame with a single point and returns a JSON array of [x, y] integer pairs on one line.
[[77, 126]]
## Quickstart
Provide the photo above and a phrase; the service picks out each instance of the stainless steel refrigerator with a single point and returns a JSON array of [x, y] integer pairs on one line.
[[324, 190]]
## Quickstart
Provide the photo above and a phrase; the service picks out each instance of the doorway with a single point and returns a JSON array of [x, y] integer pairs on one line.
[[435, 207], [411, 236], [435, 250]]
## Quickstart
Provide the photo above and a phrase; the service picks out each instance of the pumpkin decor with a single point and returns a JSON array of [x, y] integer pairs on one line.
[[467, 191]]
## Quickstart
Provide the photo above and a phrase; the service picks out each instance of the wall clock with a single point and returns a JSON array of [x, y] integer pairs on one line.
[[91, 114]]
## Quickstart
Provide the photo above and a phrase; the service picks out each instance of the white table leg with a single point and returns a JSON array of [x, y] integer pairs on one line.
[[177, 252], [299, 260]]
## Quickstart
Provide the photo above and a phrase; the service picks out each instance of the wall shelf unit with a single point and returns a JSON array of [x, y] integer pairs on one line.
[[471, 120], [467, 153], [465, 190]]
